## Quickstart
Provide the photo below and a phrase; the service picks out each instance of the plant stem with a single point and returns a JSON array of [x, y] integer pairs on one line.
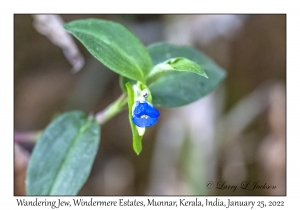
[[113, 109], [101, 117]]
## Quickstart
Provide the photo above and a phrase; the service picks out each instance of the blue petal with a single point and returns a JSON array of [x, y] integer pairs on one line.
[[152, 112], [143, 122], [144, 114], [140, 109], [145, 108]]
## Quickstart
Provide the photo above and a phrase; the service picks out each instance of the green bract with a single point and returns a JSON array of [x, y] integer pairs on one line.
[[174, 64], [63, 156], [114, 45], [136, 138]]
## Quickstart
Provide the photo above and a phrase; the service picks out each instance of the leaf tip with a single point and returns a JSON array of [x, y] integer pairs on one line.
[[137, 152]]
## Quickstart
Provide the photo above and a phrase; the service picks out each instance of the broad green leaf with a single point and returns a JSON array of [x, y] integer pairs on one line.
[[174, 64], [180, 88], [63, 156], [136, 138], [113, 45]]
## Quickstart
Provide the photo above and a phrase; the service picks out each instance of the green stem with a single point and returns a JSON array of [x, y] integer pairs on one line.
[[113, 109], [101, 117]]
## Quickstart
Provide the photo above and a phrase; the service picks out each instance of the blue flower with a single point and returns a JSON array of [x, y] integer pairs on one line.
[[144, 114]]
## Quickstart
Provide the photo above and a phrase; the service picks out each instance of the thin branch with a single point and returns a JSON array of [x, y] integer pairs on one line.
[[113, 109]]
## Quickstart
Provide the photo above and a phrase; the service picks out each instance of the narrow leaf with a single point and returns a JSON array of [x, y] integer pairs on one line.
[[174, 64], [136, 138], [63, 156], [113, 45]]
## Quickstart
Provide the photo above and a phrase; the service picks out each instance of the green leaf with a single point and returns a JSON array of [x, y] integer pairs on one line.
[[180, 88], [113, 45], [136, 138], [63, 156], [174, 64]]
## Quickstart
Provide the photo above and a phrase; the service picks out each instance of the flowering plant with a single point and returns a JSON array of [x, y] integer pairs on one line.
[[160, 75]]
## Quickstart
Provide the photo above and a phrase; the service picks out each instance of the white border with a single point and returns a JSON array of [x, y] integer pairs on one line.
[[111, 6]]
